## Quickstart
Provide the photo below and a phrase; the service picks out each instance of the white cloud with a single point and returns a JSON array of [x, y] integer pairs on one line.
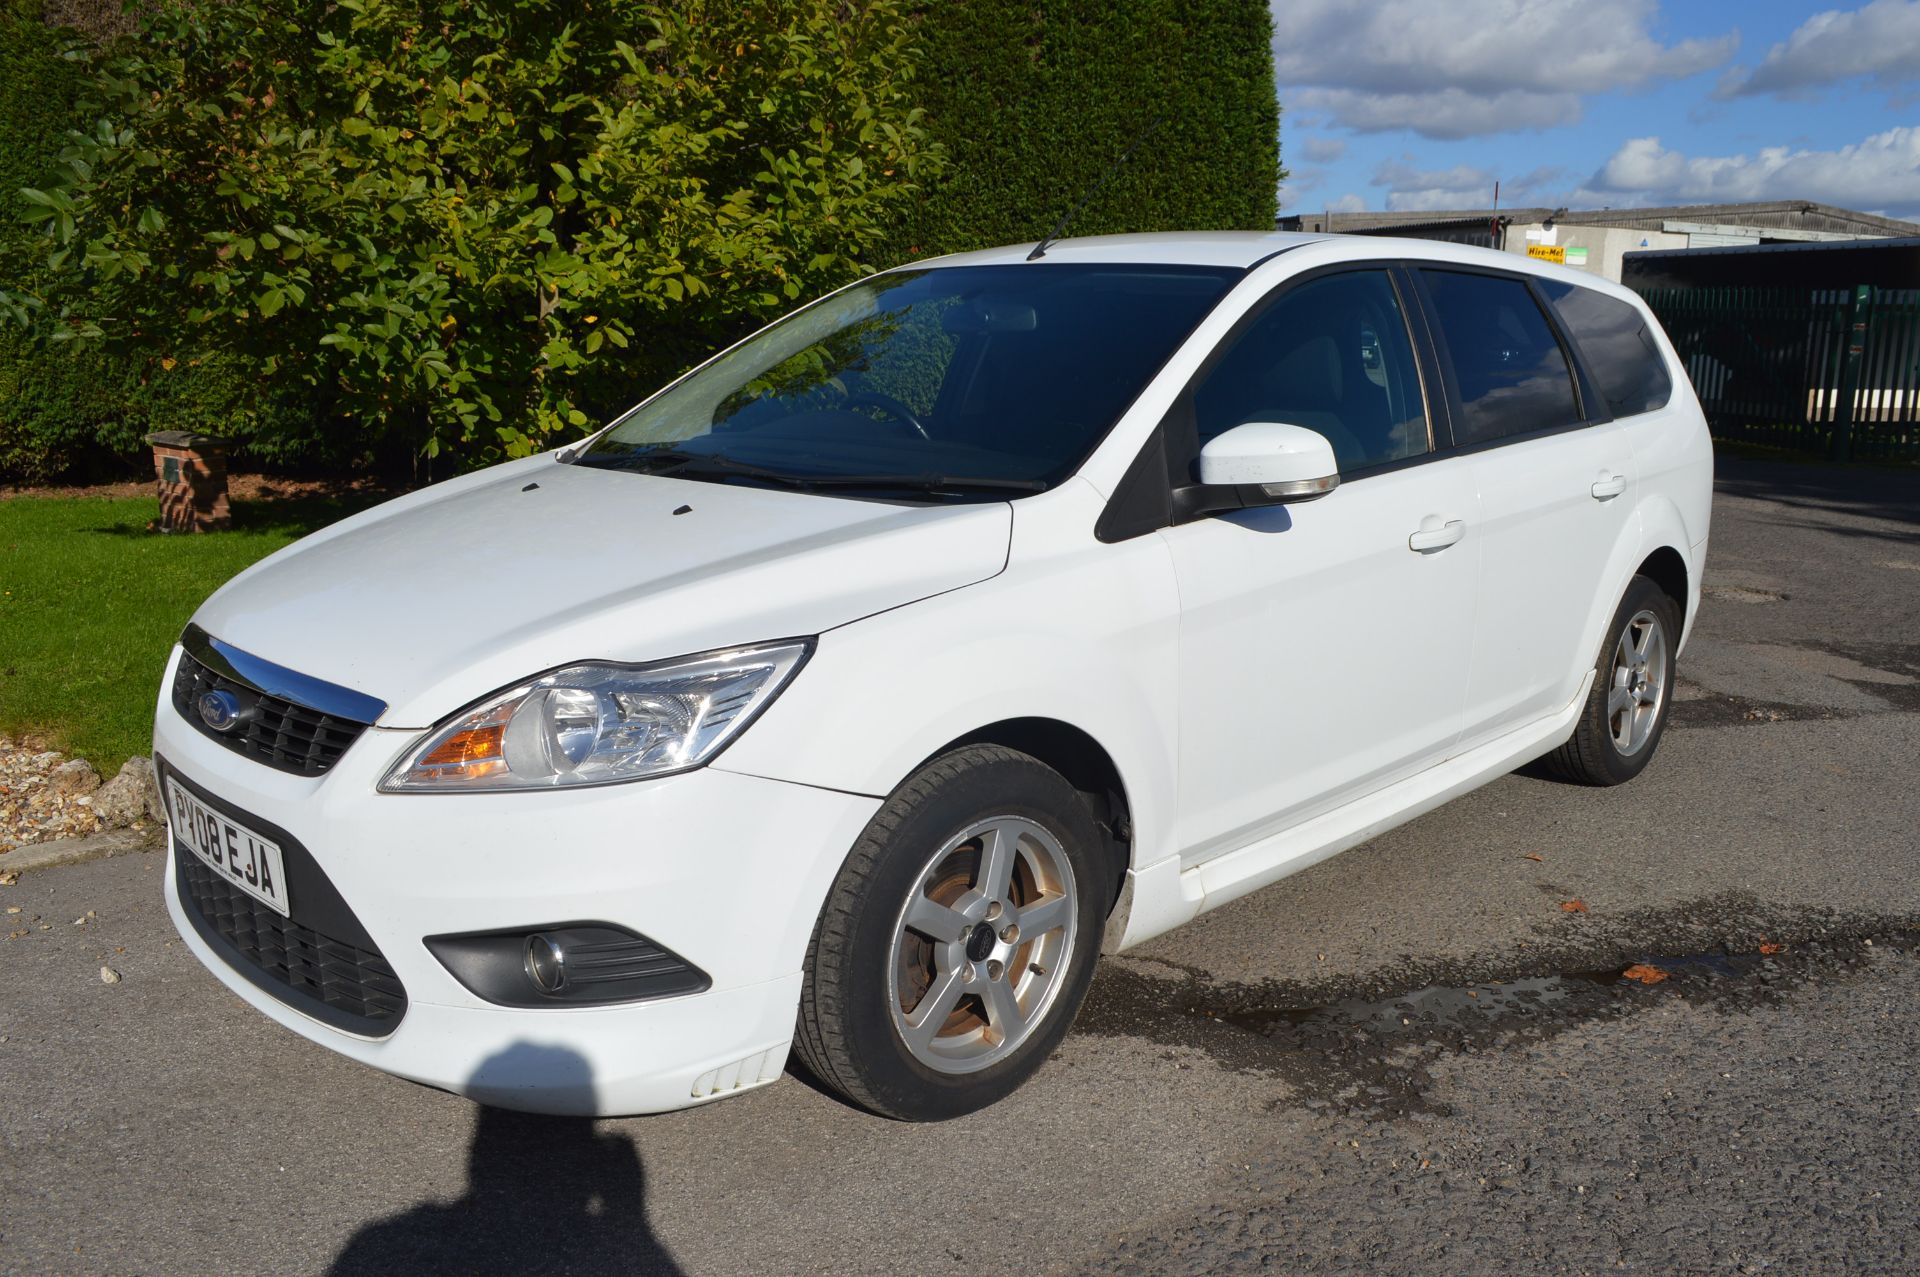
[[1348, 203], [1323, 150], [1881, 172], [1450, 71], [1301, 181], [1410, 189], [1444, 113], [1463, 186], [1881, 40]]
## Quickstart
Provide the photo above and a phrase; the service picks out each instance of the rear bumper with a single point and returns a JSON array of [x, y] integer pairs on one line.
[[1696, 577]]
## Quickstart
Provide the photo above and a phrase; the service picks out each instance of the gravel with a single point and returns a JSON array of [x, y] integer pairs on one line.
[[44, 795]]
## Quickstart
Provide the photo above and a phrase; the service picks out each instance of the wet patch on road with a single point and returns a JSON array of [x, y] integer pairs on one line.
[[1364, 1047], [1890, 671], [1857, 679]]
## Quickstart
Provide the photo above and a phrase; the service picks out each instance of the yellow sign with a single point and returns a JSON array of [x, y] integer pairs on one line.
[[1548, 252]]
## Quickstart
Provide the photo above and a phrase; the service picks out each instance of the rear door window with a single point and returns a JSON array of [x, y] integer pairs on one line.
[[1510, 372], [1620, 352]]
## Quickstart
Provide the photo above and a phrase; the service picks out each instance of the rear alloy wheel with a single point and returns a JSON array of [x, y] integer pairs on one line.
[[1637, 683], [958, 941], [1632, 691]]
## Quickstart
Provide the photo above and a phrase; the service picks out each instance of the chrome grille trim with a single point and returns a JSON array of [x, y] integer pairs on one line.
[[278, 681]]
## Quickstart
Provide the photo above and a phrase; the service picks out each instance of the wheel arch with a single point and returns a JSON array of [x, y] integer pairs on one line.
[[1667, 568], [1669, 558], [1087, 766]]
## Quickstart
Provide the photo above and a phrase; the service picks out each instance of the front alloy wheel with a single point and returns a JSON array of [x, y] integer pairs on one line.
[[982, 944], [959, 939]]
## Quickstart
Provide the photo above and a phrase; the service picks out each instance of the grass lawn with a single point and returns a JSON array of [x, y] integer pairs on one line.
[[90, 604]]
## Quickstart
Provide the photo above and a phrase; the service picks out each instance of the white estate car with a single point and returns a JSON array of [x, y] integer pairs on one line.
[[851, 695]]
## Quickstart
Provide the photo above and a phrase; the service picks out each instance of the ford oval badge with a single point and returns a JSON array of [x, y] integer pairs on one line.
[[219, 710]]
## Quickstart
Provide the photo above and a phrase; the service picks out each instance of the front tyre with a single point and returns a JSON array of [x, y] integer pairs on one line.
[[959, 939], [1626, 712]]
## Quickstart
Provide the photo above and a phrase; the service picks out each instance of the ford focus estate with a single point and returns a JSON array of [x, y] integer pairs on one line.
[[848, 697]]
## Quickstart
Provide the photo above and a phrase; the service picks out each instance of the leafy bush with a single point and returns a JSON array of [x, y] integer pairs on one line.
[[473, 224], [1034, 99], [335, 231]]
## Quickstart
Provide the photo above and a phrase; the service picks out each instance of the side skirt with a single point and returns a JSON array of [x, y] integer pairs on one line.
[[1163, 896]]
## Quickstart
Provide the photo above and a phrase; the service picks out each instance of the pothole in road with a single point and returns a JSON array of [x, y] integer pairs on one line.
[[1371, 1056], [1708, 709]]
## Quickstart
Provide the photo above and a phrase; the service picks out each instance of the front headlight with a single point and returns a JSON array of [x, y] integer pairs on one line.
[[596, 724]]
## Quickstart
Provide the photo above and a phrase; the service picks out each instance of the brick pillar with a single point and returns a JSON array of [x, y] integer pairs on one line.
[[192, 470]]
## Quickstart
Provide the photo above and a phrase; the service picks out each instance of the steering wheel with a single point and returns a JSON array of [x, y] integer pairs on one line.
[[889, 405]]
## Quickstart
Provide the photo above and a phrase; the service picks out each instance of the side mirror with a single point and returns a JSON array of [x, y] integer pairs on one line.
[[1288, 463], [1260, 463]]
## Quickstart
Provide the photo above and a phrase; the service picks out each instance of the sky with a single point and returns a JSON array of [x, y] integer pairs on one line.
[[1423, 104]]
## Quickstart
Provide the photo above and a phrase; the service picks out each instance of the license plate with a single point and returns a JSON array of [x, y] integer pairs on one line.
[[244, 858]]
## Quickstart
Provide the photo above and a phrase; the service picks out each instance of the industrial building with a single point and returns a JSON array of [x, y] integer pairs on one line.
[[1597, 240]]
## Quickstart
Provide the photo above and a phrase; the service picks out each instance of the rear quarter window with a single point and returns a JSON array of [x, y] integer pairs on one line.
[[1620, 352]]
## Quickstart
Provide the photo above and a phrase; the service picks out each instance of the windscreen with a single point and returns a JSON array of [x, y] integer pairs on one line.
[[953, 380]]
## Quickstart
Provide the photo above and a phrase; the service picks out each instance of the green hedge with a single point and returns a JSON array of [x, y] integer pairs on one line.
[[37, 91], [67, 414], [1034, 99], [83, 415], [48, 409]]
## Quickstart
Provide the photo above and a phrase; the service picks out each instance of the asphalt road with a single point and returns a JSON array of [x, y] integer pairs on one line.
[[1410, 1059]]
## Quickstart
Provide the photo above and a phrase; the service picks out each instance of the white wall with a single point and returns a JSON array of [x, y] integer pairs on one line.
[[1604, 245]]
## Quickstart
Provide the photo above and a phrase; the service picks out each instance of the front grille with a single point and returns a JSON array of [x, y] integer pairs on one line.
[[299, 964], [274, 731]]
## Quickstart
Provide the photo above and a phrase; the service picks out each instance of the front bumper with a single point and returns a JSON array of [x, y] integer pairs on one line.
[[727, 870]]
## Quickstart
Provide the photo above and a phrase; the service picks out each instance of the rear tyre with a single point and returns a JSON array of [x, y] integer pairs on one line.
[[958, 941], [1626, 712]]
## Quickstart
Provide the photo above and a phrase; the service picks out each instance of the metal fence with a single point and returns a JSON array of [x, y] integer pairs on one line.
[[1835, 371]]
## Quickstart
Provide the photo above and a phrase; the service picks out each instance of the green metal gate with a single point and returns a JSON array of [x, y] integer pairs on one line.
[[1835, 371]]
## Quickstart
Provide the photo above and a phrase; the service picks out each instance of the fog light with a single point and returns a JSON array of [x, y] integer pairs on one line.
[[546, 963]]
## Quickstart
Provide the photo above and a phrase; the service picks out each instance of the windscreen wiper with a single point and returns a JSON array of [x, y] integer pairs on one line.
[[931, 482], [685, 464], [680, 462]]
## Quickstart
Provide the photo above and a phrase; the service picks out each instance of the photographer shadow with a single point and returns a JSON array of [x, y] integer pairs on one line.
[[544, 1194]]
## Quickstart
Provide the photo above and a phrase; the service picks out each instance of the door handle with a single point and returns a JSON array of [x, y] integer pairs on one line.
[[1436, 534], [1608, 486]]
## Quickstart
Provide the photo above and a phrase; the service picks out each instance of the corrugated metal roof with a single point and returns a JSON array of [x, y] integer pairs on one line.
[[1826, 246], [1783, 214]]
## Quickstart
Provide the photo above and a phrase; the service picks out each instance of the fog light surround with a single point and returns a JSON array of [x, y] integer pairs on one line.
[[566, 964]]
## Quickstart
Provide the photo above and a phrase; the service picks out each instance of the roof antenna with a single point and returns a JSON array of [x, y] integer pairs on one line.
[[1040, 249]]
